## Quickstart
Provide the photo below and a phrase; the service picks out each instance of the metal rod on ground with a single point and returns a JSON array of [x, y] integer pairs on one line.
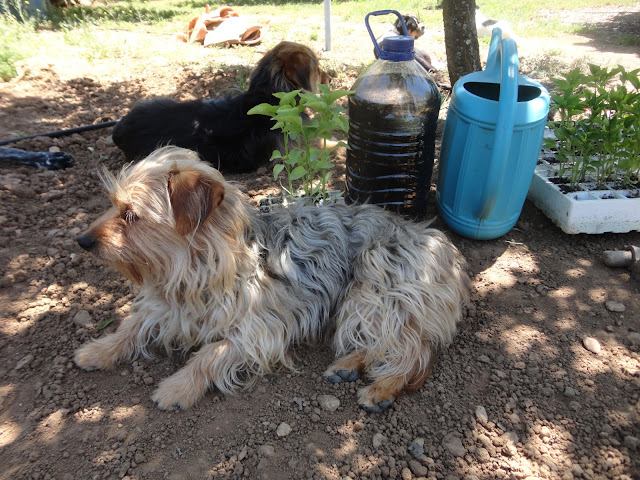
[[61, 133]]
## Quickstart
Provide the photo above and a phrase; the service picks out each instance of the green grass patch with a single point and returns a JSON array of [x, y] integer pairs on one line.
[[629, 40], [92, 43], [128, 28], [533, 18], [517, 10], [115, 15], [9, 55], [15, 45]]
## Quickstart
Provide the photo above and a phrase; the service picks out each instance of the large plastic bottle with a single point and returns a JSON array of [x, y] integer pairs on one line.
[[393, 117]]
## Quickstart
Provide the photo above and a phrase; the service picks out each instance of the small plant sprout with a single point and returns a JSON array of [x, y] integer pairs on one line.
[[302, 159]]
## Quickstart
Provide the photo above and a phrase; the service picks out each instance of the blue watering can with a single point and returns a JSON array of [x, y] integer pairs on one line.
[[490, 145]]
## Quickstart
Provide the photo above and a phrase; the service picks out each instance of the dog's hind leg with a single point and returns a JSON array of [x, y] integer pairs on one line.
[[105, 352], [385, 327], [214, 364]]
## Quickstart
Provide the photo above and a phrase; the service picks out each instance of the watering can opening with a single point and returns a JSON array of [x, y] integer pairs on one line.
[[491, 91]]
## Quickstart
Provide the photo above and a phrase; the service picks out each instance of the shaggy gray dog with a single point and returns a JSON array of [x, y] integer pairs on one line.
[[244, 287]]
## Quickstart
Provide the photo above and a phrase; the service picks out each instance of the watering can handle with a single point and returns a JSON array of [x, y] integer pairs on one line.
[[492, 57], [508, 102], [383, 12]]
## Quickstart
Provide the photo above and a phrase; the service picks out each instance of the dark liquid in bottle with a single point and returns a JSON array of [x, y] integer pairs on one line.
[[392, 140]]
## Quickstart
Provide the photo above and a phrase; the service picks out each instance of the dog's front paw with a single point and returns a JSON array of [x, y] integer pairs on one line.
[[372, 401], [93, 356], [340, 376], [346, 369], [177, 392]]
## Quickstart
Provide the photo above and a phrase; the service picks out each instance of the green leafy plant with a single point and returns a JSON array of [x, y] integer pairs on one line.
[[597, 133], [306, 155], [567, 102]]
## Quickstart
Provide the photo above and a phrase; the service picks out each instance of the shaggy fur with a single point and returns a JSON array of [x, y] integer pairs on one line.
[[244, 287], [220, 130]]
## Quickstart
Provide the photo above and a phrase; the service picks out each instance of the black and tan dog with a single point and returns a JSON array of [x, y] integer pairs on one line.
[[416, 29], [220, 130]]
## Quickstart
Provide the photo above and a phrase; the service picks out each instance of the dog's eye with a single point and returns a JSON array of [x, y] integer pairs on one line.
[[129, 216]]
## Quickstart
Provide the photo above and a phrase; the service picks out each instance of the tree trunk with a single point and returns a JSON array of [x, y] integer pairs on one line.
[[461, 38]]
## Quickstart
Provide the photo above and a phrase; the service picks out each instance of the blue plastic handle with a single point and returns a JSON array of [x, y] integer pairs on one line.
[[492, 57], [507, 51], [383, 12]]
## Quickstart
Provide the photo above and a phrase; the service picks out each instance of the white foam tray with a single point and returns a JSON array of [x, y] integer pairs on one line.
[[587, 210]]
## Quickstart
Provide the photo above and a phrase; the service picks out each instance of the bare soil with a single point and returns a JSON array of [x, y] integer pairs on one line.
[[519, 395]]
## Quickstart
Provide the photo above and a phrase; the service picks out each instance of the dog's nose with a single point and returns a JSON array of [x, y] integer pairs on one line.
[[86, 241]]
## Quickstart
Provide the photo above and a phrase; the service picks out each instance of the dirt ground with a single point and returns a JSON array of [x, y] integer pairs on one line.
[[517, 396]]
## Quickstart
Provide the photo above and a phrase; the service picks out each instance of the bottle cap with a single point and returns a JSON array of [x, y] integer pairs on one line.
[[398, 48]]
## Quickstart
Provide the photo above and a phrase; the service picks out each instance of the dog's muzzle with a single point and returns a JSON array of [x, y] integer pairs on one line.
[[87, 242]]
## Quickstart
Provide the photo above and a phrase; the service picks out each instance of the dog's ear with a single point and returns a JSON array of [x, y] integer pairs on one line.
[[397, 25], [193, 198], [298, 71]]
